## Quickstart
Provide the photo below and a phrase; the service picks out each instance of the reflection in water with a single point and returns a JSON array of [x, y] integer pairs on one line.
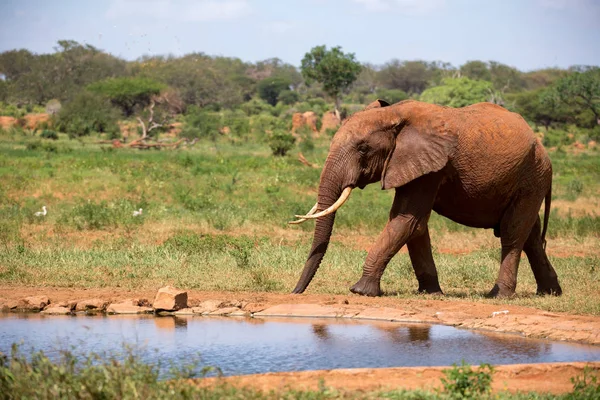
[[320, 331], [407, 334], [244, 346]]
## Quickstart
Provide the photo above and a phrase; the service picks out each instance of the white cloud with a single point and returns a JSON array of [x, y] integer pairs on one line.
[[187, 10], [408, 7]]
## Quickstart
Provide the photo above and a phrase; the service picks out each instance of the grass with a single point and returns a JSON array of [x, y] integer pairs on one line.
[[126, 376], [215, 218]]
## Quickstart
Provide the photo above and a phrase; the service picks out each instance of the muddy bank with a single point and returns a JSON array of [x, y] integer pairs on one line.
[[542, 378], [529, 322]]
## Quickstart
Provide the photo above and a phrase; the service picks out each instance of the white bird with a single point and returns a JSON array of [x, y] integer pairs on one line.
[[137, 213], [41, 213]]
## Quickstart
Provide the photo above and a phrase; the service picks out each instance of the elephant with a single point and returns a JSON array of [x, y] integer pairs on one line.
[[480, 165]]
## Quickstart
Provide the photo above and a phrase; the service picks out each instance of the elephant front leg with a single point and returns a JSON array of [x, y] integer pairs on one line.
[[396, 233], [408, 221]]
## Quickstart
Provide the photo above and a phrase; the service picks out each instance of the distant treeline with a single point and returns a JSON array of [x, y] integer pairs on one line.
[[550, 97]]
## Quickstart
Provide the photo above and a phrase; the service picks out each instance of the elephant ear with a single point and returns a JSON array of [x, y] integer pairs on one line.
[[416, 153], [377, 104]]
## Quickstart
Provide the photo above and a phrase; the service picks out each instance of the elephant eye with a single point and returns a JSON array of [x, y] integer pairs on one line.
[[362, 148]]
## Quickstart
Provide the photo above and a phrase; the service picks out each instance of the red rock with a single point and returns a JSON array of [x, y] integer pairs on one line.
[[91, 305], [129, 306], [57, 310], [300, 310], [224, 311], [330, 121], [169, 298], [33, 303]]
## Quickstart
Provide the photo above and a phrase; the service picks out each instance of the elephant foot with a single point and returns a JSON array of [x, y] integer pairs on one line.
[[500, 291], [367, 286], [429, 284], [552, 288]]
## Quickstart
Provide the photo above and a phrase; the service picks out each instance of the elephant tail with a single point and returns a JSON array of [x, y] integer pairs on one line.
[[548, 202]]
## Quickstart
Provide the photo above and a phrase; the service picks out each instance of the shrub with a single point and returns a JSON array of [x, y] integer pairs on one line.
[[48, 134], [237, 122], [270, 88], [201, 124], [461, 382], [255, 107], [85, 114], [288, 97], [281, 142]]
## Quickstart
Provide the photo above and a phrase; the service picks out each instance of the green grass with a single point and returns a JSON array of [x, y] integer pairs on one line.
[[126, 376], [215, 218]]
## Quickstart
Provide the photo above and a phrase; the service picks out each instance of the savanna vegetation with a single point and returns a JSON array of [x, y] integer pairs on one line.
[[215, 212]]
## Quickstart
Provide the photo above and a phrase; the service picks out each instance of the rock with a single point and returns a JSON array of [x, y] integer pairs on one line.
[[224, 311], [330, 121], [33, 303], [169, 298], [239, 313], [308, 119], [129, 306], [57, 310], [208, 306], [91, 305], [592, 144], [185, 311]]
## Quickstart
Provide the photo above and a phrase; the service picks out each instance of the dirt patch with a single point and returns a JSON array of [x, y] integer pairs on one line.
[[543, 378]]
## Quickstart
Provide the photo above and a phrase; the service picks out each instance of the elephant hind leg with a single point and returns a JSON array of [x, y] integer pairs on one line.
[[515, 229], [544, 273], [419, 250]]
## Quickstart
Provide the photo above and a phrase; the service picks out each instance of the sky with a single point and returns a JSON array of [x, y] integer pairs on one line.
[[526, 34]]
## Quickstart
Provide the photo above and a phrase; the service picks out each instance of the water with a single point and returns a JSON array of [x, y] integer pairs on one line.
[[245, 346]]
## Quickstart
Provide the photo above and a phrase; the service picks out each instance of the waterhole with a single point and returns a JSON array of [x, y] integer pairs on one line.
[[253, 345]]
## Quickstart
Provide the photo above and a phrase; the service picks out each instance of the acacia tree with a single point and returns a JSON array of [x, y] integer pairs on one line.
[[581, 89], [334, 69]]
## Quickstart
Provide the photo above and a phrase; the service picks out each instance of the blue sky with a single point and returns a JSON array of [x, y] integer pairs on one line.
[[527, 34]]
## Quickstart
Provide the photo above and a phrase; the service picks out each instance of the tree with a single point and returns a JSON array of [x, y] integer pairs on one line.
[[128, 93], [476, 70], [270, 88], [581, 89], [408, 76], [540, 107], [334, 69], [458, 92]]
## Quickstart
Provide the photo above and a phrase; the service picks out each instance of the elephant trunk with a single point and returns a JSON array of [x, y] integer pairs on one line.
[[330, 189]]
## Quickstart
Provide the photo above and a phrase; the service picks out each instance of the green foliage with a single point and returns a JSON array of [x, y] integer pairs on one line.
[[586, 386], [458, 92], [288, 97], [48, 134], [11, 110], [270, 88], [334, 69], [462, 382], [128, 93], [581, 89], [390, 95], [255, 107], [408, 76], [201, 124], [237, 122], [85, 114], [281, 142], [476, 70], [93, 377]]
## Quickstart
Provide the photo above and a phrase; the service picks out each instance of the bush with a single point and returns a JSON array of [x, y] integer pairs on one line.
[[288, 97], [237, 122], [201, 124], [85, 114], [281, 142], [255, 107], [462, 382], [48, 134]]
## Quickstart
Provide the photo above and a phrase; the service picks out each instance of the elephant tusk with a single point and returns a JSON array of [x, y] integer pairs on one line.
[[339, 202], [301, 220]]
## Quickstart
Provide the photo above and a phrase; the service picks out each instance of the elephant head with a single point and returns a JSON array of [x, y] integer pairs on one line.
[[391, 144]]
